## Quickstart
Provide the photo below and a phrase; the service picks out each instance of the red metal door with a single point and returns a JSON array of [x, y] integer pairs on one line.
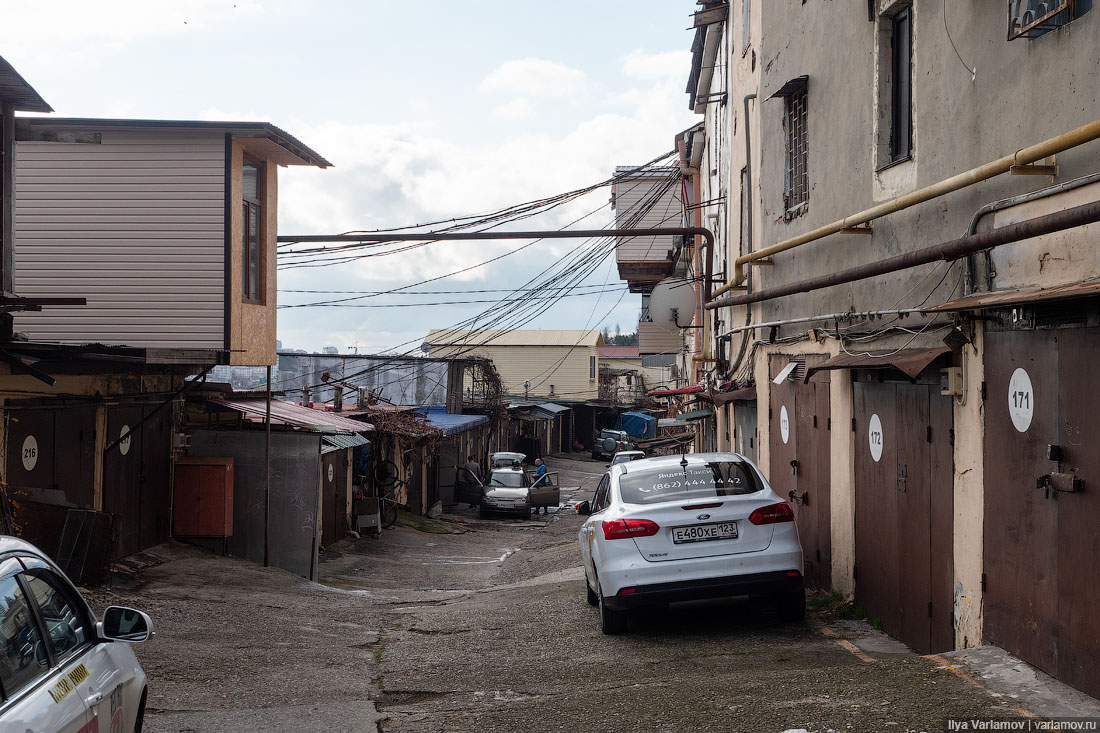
[[914, 538], [1042, 586], [876, 497], [1021, 525], [1078, 630], [799, 429]]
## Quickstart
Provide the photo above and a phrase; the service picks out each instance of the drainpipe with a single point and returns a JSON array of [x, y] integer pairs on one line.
[[952, 250], [748, 232], [1065, 141]]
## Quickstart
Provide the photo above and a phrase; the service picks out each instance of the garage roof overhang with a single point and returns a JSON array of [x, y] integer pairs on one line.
[[1019, 296], [910, 361]]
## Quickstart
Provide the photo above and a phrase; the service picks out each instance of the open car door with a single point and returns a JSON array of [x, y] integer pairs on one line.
[[545, 490], [468, 489]]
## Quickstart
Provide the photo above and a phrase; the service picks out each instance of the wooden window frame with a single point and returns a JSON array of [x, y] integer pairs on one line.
[[247, 206], [901, 85]]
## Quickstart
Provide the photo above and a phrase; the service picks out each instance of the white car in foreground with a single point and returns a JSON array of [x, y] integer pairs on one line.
[[60, 670], [678, 528]]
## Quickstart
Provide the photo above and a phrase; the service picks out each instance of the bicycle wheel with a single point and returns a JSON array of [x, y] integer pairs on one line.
[[389, 512], [385, 473]]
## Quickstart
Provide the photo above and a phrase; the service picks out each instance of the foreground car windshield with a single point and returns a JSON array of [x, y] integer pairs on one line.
[[694, 481], [507, 479]]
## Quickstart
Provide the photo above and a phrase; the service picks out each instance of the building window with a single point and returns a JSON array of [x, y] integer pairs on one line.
[[901, 85], [252, 217], [1033, 18], [746, 13], [796, 194], [591, 367]]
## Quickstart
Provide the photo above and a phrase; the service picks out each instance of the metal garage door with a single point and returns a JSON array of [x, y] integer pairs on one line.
[[1042, 581], [904, 480], [800, 459]]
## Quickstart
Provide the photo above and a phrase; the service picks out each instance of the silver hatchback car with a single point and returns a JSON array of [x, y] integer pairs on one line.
[[60, 670]]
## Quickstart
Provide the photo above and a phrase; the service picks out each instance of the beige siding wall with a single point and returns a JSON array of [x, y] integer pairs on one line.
[[134, 224], [570, 376], [654, 339], [629, 195]]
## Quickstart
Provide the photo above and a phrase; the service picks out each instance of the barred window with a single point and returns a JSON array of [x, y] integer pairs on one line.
[[797, 190], [1033, 18]]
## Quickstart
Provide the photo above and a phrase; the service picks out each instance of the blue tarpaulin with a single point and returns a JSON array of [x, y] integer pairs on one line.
[[637, 424]]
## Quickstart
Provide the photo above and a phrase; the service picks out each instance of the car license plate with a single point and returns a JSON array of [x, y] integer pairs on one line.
[[704, 532]]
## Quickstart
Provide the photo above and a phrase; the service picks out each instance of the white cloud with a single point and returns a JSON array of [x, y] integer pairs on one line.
[[531, 77], [520, 108], [657, 66], [110, 26]]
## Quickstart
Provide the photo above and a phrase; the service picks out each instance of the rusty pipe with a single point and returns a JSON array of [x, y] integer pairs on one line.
[[1065, 141], [951, 250]]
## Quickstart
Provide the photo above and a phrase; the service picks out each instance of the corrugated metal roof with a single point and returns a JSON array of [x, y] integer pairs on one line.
[[1002, 298], [669, 392], [282, 138], [14, 89], [910, 361], [518, 337], [619, 352], [695, 415], [448, 423], [551, 408], [287, 413], [341, 442]]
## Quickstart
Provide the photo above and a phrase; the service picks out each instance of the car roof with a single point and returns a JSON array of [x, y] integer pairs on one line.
[[658, 462], [14, 544]]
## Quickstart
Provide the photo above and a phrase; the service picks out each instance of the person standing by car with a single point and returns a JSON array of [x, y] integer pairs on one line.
[[474, 469], [540, 478]]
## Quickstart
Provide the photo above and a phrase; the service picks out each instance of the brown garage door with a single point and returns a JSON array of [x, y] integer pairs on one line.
[[799, 427], [904, 480], [334, 497], [1042, 581]]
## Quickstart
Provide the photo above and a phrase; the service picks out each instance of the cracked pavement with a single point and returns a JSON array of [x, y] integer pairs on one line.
[[486, 627]]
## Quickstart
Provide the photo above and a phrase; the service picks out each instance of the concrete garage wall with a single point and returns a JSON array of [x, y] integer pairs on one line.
[[295, 494]]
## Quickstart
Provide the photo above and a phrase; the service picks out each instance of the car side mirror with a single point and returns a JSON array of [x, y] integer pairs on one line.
[[584, 508], [125, 624]]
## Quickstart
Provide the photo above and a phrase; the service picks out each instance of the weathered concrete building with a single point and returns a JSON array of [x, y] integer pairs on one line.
[[927, 409]]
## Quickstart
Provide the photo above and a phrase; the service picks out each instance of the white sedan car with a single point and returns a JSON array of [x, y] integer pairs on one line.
[[60, 670], [678, 528]]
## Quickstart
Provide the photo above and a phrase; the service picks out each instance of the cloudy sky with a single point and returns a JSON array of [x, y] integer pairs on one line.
[[429, 110]]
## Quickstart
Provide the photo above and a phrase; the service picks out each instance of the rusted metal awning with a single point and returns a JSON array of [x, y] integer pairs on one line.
[[287, 413], [1003, 298], [670, 392], [910, 361], [743, 394]]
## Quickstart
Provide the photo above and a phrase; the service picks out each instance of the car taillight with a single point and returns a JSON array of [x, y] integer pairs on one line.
[[621, 529], [773, 514]]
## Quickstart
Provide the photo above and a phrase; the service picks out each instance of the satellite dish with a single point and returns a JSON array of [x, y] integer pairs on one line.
[[673, 302]]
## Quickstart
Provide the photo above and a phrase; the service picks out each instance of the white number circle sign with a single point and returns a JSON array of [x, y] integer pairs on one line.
[[874, 437], [124, 446], [330, 472], [1021, 400], [30, 453], [784, 424]]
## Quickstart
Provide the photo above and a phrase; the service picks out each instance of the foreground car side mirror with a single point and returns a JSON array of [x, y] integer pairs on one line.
[[125, 624], [584, 508]]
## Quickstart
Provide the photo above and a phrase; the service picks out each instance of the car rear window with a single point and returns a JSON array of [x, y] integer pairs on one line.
[[694, 481], [507, 479]]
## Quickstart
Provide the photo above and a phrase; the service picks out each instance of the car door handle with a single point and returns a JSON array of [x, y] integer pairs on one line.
[[94, 699]]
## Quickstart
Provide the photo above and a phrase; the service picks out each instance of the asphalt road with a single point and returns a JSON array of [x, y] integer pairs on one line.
[[483, 625]]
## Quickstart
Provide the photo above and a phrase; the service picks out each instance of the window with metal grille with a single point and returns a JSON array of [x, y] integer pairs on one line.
[[797, 193], [1033, 18], [252, 244]]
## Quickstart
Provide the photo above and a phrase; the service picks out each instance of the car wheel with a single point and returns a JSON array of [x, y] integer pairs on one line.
[[611, 621], [791, 606], [593, 599]]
